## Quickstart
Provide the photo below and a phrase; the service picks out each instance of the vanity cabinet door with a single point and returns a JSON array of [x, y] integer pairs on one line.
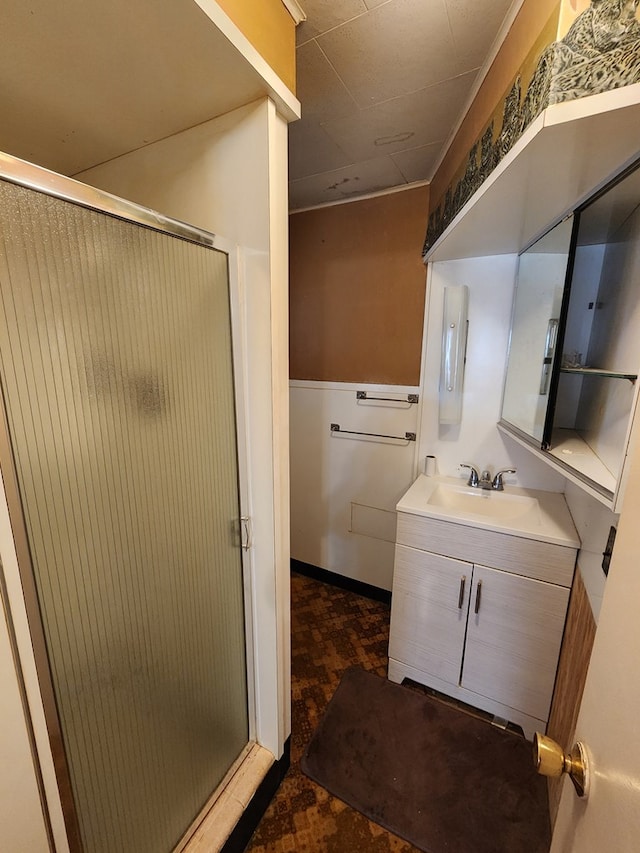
[[513, 640], [429, 612]]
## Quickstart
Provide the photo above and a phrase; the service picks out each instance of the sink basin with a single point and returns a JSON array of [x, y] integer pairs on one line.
[[458, 500], [529, 513]]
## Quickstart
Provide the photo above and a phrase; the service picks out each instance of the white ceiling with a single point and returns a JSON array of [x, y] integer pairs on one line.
[[382, 84]]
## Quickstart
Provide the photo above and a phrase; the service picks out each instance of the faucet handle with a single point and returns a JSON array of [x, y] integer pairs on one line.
[[473, 476], [497, 484]]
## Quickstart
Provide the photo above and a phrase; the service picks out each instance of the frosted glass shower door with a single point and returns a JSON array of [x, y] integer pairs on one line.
[[117, 377]]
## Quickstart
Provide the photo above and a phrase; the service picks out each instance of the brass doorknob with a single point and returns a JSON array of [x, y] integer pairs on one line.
[[550, 759]]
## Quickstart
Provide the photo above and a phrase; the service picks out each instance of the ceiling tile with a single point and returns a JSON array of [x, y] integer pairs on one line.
[[396, 48], [366, 177], [323, 16], [414, 120], [311, 151], [382, 83], [417, 164], [320, 90], [475, 26]]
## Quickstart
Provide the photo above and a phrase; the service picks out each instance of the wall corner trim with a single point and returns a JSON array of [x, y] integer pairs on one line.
[[364, 197], [286, 102], [296, 11]]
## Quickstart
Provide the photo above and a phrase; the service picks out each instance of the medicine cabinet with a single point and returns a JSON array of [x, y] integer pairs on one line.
[[535, 322], [570, 388]]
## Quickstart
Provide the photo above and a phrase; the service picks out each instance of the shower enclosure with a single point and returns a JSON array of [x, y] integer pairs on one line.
[[119, 456]]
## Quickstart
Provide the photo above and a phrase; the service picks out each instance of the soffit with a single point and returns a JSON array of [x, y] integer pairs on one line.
[[85, 81]]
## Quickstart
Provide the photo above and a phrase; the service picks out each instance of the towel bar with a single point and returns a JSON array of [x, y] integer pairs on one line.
[[411, 398], [408, 436]]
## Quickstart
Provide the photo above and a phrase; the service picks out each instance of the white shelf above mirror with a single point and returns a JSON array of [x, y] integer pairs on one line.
[[569, 151]]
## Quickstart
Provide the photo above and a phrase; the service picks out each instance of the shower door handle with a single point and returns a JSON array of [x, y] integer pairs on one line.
[[246, 533]]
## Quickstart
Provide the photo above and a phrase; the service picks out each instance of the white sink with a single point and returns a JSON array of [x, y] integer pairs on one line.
[[464, 500], [521, 512]]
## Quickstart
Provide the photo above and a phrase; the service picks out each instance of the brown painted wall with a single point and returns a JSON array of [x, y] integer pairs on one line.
[[534, 17], [575, 655], [357, 290], [271, 30]]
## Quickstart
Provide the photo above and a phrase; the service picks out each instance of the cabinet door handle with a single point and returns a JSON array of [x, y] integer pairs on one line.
[[463, 581], [478, 596]]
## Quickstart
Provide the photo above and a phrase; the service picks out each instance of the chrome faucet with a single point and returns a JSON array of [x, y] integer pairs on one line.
[[473, 476], [497, 484], [484, 481]]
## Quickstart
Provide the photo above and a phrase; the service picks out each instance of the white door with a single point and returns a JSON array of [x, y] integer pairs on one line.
[[609, 719]]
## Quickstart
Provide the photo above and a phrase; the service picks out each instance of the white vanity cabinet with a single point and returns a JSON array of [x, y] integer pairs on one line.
[[479, 615]]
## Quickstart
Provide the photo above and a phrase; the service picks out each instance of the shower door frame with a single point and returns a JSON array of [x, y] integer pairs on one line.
[[17, 578]]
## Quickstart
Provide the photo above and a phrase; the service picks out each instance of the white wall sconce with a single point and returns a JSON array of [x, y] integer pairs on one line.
[[454, 350]]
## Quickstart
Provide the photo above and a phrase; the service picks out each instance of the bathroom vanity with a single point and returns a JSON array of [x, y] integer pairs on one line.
[[480, 593]]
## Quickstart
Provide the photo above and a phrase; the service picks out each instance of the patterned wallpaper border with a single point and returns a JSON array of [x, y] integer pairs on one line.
[[601, 51]]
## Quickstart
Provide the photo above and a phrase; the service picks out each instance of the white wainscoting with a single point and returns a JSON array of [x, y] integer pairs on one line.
[[344, 488]]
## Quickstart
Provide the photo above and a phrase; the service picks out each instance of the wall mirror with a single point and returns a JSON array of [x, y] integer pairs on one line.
[[591, 411], [574, 354], [542, 271]]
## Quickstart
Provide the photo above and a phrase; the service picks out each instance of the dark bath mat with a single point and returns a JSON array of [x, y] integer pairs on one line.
[[432, 774]]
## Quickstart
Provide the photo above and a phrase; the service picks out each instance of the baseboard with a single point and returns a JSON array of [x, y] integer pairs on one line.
[[367, 590], [252, 815]]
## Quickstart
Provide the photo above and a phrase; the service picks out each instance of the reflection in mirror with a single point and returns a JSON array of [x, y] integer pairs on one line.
[[534, 328], [601, 352]]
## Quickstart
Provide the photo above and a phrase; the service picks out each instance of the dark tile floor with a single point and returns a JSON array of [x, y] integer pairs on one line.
[[332, 629]]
